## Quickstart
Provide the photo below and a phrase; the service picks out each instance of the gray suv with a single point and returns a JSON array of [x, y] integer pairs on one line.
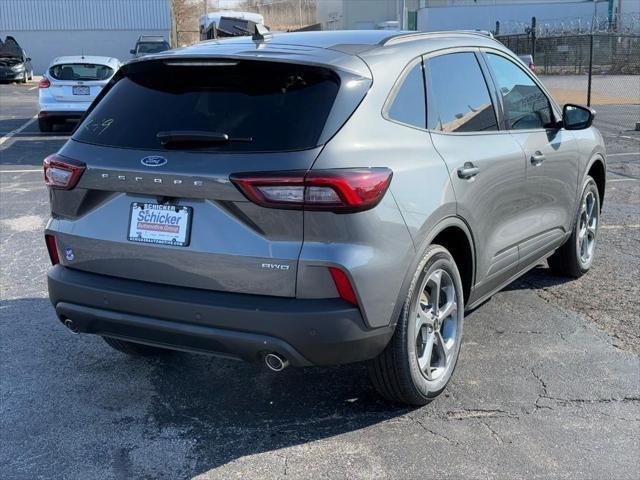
[[318, 198]]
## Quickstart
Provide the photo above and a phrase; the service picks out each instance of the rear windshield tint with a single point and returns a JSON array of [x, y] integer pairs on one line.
[[80, 71], [152, 47], [279, 106]]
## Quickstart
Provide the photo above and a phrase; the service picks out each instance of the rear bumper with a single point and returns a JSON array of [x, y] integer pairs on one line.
[[305, 331], [60, 114]]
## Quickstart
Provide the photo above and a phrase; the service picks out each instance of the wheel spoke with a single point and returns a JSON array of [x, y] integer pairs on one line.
[[423, 318], [589, 206], [434, 283], [449, 309], [443, 350], [583, 248], [424, 360]]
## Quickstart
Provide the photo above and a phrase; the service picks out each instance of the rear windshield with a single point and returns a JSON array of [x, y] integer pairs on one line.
[[80, 71], [152, 47], [277, 106]]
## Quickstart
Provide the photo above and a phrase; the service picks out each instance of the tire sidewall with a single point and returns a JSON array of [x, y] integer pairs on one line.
[[589, 185], [435, 258]]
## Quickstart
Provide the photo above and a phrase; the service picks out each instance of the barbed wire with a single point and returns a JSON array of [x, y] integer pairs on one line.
[[624, 24]]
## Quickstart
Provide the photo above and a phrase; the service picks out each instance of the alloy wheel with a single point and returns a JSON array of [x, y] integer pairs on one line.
[[587, 227], [437, 327]]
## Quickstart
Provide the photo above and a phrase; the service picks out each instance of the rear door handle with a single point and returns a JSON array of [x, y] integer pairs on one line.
[[467, 171], [537, 158]]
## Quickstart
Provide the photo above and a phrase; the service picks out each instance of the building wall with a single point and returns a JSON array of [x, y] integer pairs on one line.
[[483, 16], [360, 14], [108, 43], [50, 28]]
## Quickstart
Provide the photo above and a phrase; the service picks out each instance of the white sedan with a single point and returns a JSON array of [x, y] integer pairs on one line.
[[69, 85]]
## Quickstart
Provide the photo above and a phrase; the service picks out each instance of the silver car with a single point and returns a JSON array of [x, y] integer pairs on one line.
[[318, 198]]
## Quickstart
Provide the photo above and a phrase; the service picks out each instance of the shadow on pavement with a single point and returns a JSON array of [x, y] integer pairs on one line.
[[68, 386], [539, 277]]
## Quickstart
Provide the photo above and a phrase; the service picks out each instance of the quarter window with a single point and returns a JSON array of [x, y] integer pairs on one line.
[[408, 105], [525, 104], [457, 95]]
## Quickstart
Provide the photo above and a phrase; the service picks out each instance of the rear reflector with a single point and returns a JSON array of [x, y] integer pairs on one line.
[[61, 172], [344, 190], [52, 248], [44, 83], [343, 285]]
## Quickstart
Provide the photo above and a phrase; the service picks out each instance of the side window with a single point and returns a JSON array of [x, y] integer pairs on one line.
[[457, 95], [525, 105], [408, 105]]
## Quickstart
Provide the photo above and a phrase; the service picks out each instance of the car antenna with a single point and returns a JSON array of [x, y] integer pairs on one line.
[[262, 34]]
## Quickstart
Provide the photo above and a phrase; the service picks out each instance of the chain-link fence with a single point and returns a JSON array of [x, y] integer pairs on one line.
[[600, 69]]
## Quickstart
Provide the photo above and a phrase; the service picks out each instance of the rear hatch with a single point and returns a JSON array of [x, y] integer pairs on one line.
[[156, 203], [78, 82]]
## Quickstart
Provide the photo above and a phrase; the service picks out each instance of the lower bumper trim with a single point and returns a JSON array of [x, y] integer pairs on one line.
[[305, 331]]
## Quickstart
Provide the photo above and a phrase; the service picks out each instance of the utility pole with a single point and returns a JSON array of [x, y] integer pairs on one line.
[[204, 4]]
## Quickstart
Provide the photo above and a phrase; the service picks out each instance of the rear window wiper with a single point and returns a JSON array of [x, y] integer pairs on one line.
[[196, 137]]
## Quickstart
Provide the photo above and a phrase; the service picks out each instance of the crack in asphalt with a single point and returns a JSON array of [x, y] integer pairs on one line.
[[478, 413], [496, 436], [434, 433]]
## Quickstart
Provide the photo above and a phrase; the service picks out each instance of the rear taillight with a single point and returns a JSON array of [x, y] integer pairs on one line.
[[532, 67], [61, 172], [343, 285], [345, 190], [44, 83], [52, 248]]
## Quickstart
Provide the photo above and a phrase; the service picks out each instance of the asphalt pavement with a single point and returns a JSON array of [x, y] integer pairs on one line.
[[547, 385]]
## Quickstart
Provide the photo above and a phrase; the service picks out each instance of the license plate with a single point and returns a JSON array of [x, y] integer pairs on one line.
[[160, 224], [81, 90]]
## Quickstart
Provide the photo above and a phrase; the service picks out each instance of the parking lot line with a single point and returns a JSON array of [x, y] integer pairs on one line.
[[626, 154], [33, 88], [618, 227], [39, 170], [18, 130]]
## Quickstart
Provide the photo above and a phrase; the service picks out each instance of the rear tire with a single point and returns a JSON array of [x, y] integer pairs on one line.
[[418, 362], [45, 125], [135, 349], [575, 257]]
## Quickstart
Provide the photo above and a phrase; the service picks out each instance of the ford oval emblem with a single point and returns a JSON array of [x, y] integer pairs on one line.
[[154, 161]]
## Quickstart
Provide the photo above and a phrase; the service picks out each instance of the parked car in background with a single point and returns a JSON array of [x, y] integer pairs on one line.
[[528, 61], [15, 64], [307, 202], [69, 86], [148, 44]]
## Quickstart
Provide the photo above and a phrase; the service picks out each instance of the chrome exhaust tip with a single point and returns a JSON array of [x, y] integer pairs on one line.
[[71, 326], [275, 362]]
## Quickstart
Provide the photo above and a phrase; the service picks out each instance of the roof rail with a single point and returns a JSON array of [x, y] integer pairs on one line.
[[408, 36]]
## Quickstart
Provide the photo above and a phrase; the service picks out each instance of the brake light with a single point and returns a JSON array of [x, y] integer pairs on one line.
[[61, 172], [52, 248], [532, 66], [343, 285], [345, 190], [44, 83]]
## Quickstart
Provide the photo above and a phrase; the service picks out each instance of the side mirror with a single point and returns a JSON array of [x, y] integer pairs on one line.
[[132, 51], [576, 117], [28, 59]]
